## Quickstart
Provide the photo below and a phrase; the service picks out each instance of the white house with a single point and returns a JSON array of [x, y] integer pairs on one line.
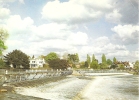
[[131, 65], [36, 62]]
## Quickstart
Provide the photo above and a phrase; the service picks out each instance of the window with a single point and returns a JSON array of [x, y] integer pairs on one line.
[[33, 61]]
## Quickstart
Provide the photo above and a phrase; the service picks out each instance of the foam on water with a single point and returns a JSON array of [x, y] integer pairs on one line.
[[117, 87], [61, 90], [107, 88]]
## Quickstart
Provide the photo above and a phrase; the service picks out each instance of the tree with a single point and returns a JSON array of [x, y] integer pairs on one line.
[[82, 64], [86, 64], [51, 56], [109, 62], [17, 59], [121, 66], [103, 66], [104, 59], [73, 58], [94, 64], [58, 64], [77, 57], [113, 66], [114, 60], [3, 37], [88, 60], [93, 58], [2, 64], [136, 65]]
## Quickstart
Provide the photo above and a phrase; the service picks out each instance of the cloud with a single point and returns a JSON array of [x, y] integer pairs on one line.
[[114, 16], [22, 1], [75, 11], [63, 31], [2, 1], [78, 39], [5, 1], [125, 12], [101, 41], [44, 38], [4, 13], [127, 34], [15, 25]]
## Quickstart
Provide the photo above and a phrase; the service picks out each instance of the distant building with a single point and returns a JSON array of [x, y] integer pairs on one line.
[[36, 62], [131, 65], [126, 64]]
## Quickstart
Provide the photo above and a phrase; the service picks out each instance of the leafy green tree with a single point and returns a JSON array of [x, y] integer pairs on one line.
[[3, 37], [88, 60], [93, 58], [58, 64], [17, 59], [113, 66], [82, 64], [104, 59], [77, 57], [86, 64], [2, 64], [114, 60], [73, 58], [94, 64], [109, 62], [121, 66], [104, 66], [136, 65], [51, 56]]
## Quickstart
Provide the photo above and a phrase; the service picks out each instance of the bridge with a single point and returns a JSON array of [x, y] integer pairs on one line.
[[18, 75]]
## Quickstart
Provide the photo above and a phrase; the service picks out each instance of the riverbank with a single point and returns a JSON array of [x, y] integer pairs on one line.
[[7, 91]]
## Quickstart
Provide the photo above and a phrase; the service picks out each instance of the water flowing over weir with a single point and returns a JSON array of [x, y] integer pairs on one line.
[[84, 86], [117, 87]]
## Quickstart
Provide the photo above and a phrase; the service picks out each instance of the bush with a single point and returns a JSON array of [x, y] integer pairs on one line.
[[58, 64]]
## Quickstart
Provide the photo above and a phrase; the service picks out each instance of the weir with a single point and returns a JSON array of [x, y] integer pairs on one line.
[[9, 76], [89, 72]]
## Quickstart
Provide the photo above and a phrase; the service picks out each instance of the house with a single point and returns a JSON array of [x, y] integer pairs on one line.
[[36, 62], [131, 65]]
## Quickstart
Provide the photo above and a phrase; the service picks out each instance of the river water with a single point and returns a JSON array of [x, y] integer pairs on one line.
[[103, 87]]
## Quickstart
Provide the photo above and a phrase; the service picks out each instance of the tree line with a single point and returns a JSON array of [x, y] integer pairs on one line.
[[93, 62], [18, 59]]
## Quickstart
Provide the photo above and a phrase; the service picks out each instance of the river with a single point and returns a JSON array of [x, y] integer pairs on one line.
[[98, 87]]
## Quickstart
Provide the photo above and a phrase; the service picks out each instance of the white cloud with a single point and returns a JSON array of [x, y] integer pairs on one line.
[[114, 16], [22, 1], [103, 45], [101, 41], [52, 30], [96, 4], [4, 13], [24, 35], [62, 32], [78, 38], [128, 34], [5, 1], [15, 25], [75, 11], [124, 12], [2, 1]]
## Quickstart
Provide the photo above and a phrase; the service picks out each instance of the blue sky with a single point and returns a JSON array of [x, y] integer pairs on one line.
[[38, 27]]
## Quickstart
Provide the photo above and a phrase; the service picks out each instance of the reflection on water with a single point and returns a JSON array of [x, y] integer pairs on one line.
[[116, 87]]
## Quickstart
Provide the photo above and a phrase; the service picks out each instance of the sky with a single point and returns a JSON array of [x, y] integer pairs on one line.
[[38, 27]]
